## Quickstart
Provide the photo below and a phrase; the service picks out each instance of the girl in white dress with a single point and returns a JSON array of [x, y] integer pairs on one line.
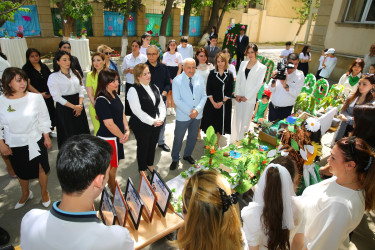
[[274, 220]]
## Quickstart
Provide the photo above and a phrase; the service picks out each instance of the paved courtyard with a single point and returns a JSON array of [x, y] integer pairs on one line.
[[10, 219]]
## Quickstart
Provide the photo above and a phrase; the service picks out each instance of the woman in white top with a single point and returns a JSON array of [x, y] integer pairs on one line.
[[274, 220], [148, 116], [173, 60], [145, 41], [127, 67], [351, 78], [304, 59], [24, 133], [65, 86], [250, 79], [334, 207]]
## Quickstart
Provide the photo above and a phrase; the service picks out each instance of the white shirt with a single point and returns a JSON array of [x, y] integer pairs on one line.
[[186, 52], [60, 85], [232, 69], [344, 80], [304, 57], [286, 52], [143, 50], [3, 65], [330, 65], [254, 229], [331, 212], [26, 123], [321, 59], [172, 59], [203, 70], [136, 108], [129, 63], [282, 98]]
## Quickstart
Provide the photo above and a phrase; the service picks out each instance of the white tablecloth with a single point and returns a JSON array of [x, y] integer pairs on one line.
[[15, 50], [81, 49]]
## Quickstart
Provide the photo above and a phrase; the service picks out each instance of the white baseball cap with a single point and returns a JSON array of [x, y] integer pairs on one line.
[[330, 51]]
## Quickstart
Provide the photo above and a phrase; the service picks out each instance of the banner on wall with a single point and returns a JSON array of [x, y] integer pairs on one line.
[[194, 25], [27, 22], [57, 24], [113, 23], [153, 23]]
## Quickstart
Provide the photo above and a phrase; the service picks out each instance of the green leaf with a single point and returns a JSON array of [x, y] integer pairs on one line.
[[294, 145]]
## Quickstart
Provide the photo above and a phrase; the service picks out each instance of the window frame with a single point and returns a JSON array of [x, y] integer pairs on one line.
[[364, 15]]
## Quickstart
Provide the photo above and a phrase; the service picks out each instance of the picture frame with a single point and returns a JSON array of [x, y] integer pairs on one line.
[[148, 197], [106, 210], [162, 191], [134, 203], [120, 206]]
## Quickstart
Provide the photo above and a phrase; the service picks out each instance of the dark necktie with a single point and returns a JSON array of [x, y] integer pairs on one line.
[[212, 49], [190, 85]]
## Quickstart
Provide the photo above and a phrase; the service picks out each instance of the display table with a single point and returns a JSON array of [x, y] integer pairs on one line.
[[15, 50], [81, 49]]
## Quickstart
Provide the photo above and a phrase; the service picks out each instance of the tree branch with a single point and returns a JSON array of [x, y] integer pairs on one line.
[[15, 8]]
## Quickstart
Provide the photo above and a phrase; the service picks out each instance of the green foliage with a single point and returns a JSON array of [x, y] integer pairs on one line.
[[335, 97], [76, 9], [305, 102], [8, 9], [304, 11], [121, 6], [211, 137], [197, 5]]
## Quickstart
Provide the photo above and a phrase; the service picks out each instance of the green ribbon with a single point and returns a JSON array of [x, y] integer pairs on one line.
[[353, 80]]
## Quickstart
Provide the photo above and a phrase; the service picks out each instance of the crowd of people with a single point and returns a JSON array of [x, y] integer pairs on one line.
[[37, 103]]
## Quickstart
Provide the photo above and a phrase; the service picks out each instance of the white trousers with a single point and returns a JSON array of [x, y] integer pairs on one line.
[[243, 112]]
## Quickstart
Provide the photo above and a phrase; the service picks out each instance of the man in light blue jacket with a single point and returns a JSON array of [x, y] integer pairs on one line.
[[189, 95]]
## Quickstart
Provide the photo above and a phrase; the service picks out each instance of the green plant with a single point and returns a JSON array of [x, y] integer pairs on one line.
[[305, 102], [335, 97], [210, 143]]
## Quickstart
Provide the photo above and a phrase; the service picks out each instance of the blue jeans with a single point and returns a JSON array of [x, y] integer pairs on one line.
[[181, 126]]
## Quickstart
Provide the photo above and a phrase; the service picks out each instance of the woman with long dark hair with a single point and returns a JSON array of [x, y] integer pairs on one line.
[[64, 45], [38, 74], [65, 86], [334, 207], [351, 78], [274, 220], [304, 59], [24, 133], [362, 95], [113, 123]]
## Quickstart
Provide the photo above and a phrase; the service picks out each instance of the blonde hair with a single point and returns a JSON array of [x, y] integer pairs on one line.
[[224, 58], [206, 225], [103, 47], [137, 72]]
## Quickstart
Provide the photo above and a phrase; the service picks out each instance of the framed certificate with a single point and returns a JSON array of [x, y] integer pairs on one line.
[[107, 213], [147, 195], [120, 206], [162, 191], [134, 202]]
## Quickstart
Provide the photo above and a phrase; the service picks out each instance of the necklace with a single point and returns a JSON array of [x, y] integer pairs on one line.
[[67, 75]]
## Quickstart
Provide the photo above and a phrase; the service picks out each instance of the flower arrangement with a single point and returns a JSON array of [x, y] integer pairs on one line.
[[19, 31], [84, 32], [210, 143]]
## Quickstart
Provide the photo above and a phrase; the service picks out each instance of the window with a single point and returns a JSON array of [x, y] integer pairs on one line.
[[360, 11]]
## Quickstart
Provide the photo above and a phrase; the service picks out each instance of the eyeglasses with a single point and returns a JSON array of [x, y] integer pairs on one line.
[[108, 53], [152, 54]]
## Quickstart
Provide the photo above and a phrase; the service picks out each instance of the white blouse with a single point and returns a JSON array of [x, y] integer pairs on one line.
[[60, 85], [172, 60], [304, 57], [129, 63], [349, 89], [136, 108], [23, 120], [203, 70]]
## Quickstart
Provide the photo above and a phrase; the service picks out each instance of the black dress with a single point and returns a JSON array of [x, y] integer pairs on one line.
[[38, 79], [110, 109], [218, 87]]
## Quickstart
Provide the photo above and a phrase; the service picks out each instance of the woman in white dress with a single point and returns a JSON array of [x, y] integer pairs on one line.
[[334, 207], [24, 133], [203, 70], [250, 78], [274, 220]]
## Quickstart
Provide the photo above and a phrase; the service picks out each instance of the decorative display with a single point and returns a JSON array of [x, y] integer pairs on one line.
[[106, 210], [25, 23], [194, 25], [134, 202], [113, 24], [231, 34], [120, 206], [162, 192], [148, 196], [153, 23]]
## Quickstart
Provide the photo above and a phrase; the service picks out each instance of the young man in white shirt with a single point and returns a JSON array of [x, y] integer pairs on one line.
[[82, 166], [185, 49], [285, 92], [328, 64], [285, 53]]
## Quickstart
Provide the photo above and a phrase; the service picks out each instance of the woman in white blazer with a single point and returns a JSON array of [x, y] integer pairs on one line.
[[250, 78]]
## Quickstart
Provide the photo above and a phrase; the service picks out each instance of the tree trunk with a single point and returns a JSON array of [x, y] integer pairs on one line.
[[164, 23], [186, 18], [214, 16], [222, 15], [124, 39], [67, 26], [298, 31]]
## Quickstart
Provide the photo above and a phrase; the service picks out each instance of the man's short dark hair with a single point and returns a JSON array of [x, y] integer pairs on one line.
[[184, 39], [214, 36], [288, 43], [293, 56], [80, 159]]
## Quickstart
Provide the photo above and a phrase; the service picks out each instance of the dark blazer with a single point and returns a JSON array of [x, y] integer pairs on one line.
[[160, 76], [241, 46], [211, 55]]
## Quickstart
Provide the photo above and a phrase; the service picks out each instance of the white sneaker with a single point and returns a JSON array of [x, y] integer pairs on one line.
[[168, 111], [173, 112]]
